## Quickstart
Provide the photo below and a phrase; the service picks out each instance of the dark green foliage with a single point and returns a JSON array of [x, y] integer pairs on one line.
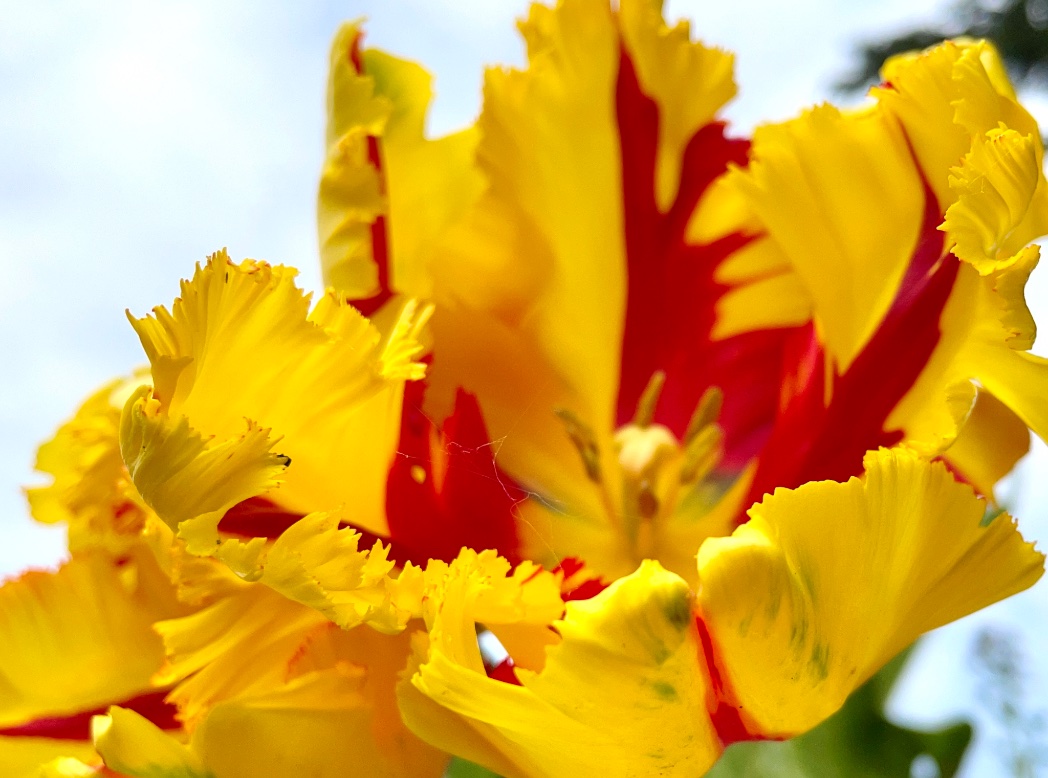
[[1019, 29], [857, 742], [460, 768]]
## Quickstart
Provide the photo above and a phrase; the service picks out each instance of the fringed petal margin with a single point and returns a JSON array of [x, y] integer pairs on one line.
[[240, 343], [256, 666], [90, 490], [187, 479], [994, 186], [827, 582], [621, 692]]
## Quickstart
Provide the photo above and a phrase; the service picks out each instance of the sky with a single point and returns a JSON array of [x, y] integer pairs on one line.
[[136, 138]]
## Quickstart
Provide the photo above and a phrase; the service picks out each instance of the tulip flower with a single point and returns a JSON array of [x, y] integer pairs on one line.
[[701, 430]]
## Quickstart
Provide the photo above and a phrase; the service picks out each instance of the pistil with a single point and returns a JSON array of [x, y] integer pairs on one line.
[[653, 466]]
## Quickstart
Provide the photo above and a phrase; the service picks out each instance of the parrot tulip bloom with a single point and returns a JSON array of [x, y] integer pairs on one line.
[[702, 430]]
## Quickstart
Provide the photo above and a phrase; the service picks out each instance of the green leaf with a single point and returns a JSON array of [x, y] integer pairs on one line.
[[460, 768], [856, 742]]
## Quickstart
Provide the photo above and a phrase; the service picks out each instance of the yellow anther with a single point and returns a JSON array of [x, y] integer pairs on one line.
[[642, 450], [648, 460], [645, 413]]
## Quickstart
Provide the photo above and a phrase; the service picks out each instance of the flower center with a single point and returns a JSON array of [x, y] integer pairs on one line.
[[653, 470]]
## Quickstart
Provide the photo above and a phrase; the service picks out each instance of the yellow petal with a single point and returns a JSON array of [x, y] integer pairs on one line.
[[530, 293], [919, 91], [768, 302], [387, 193], [994, 186], [622, 693], [763, 291], [238, 344], [824, 186], [317, 564], [948, 95], [551, 154], [991, 441], [335, 722], [560, 288], [237, 645], [666, 58], [275, 735], [828, 582], [187, 479], [133, 745], [1004, 300], [351, 188], [25, 757], [91, 491], [254, 666], [1019, 380], [984, 330], [986, 97], [79, 638], [893, 299]]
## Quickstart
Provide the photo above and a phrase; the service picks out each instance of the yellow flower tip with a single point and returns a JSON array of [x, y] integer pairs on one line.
[[90, 490], [376, 148], [183, 476], [100, 725], [404, 343], [994, 186], [241, 343], [132, 745]]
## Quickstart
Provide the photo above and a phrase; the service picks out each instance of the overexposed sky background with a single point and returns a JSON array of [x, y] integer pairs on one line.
[[136, 138]]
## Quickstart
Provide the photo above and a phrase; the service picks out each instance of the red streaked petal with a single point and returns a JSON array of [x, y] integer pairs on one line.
[[504, 672], [672, 293], [77, 726], [257, 517], [379, 233], [441, 499], [813, 441], [578, 582]]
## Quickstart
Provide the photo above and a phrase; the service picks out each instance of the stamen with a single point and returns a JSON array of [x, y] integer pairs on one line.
[[706, 412], [649, 398], [702, 453], [652, 469], [585, 441]]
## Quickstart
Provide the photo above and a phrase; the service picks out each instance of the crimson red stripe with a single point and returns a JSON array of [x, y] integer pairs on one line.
[[672, 294], [379, 230], [257, 517], [504, 671], [723, 708], [589, 588], [475, 504], [77, 726], [812, 441]]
